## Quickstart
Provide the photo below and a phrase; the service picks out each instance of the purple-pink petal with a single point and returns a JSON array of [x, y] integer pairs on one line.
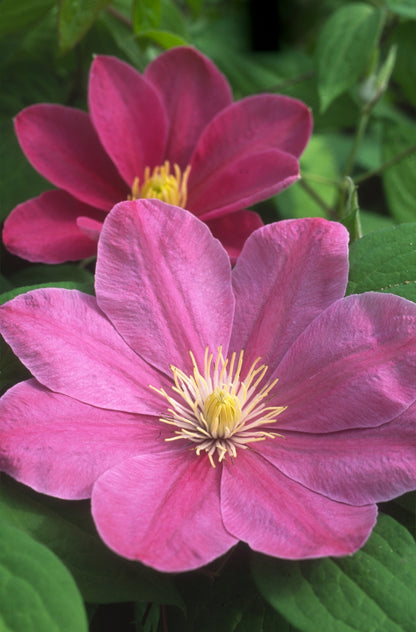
[[353, 367], [60, 446], [128, 116], [61, 143], [357, 466], [45, 229], [163, 510], [164, 283], [69, 345], [233, 229], [277, 516], [287, 274], [192, 90]]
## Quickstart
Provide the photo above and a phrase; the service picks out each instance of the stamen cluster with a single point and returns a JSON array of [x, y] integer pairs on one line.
[[163, 185]]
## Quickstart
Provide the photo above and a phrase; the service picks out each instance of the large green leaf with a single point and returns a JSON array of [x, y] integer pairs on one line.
[[373, 590], [405, 8], [345, 45], [17, 16], [37, 593], [385, 261], [67, 528], [75, 18], [400, 179]]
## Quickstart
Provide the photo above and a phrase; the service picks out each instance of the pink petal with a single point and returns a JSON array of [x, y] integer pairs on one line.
[[192, 90], [287, 273], [90, 227], [232, 230], [128, 116], [164, 282], [69, 346], [59, 446], [353, 367], [240, 147], [45, 229], [62, 145], [163, 510], [279, 517], [357, 466]]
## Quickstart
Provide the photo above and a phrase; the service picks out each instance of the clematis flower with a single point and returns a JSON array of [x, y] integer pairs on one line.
[[199, 405], [172, 133]]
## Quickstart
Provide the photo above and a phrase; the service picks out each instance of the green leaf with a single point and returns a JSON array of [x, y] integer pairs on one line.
[[75, 18], [405, 8], [400, 179], [405, 69], [146, 15], [17, 16], [374, 589], [67, 528], [345, 45], [165, 39], [41, 273], [37, 593], [385, 261], [68, 285]]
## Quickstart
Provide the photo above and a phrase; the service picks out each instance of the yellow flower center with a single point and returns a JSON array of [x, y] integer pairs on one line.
[[216, 410], [163, 185]]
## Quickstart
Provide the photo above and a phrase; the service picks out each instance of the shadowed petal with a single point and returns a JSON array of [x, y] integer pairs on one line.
[[280, 517], [164, 282], [59, 446], [71, 347], [128, 116], [192, 90], [163, 510], [61, 143], [287, 274], [45, 229], [232, 230], [353, 367], [357, 466], [240, 146]]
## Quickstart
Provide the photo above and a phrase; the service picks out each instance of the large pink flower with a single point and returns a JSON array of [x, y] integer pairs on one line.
[[173, 134], [144, 400]]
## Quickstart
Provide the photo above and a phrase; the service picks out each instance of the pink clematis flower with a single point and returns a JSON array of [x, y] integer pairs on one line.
[[199, 405], [172, 133]]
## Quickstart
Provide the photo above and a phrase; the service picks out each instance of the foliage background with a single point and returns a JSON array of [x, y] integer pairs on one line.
[[353, 64]]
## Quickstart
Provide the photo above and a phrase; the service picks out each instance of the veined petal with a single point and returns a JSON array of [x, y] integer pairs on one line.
[[278, 516], [356, 466], [45, 229], [61, 143], [128, 116], [164, 283], [72, 348], [287, 274], [59, 446], [353, 367], [193, 90], [163, 510], [232, 230], [248, 129]]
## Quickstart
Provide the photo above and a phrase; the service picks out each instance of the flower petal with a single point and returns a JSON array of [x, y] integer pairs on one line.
[[175, 279], [239, 148], [61, 143], [128, 116], [287, 273], [70, 346], [192, 90], [163, 510], [280, 517], [45, 229], [232, 230], [357, 466], [60, 446], [353, 367]]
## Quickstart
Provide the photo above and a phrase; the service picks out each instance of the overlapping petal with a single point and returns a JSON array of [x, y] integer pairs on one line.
[[278, 516], [165, 510], [165, 301], [61, 143], [71, 347], [60, 446], [191, 97], [27, 230], [232, 230]]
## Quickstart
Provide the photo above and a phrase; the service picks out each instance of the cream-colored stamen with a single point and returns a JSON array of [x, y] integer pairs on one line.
[[163, 185]]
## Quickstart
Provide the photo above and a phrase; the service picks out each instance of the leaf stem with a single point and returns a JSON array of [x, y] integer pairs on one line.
[[389, 163]]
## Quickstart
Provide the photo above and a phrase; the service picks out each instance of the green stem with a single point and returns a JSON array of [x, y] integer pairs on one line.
[[389, 163], [315, 196], [314, 177]]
